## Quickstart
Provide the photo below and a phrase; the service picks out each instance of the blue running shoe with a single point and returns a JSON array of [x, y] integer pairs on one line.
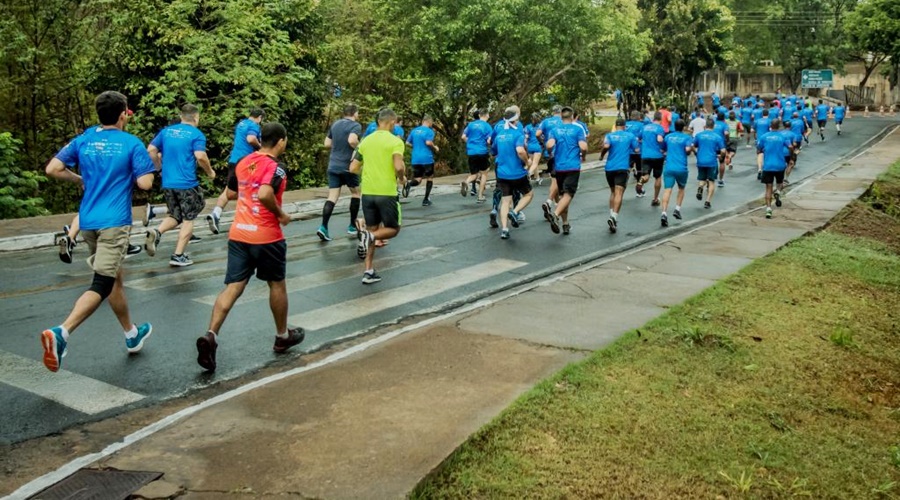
[[136, 343], [55, 348], [322, 233], [352, 230]]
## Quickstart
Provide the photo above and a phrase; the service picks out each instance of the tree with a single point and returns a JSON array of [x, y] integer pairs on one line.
[[873, 32], [18, 188]]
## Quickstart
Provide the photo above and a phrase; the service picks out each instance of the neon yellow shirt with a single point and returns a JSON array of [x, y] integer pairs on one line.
[[377, 152]]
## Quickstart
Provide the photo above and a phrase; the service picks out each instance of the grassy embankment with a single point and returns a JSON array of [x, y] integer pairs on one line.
[[782, 380]]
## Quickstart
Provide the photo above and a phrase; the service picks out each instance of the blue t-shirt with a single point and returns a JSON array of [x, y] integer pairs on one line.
[[370, 128], [477, 134], [675, 118], [807, 114], [676, 156], [546, 126], [634, 127], [721, 128], [532, 142], [566, 149], [501, 125], [708, 144], [788, 111], [699, 99], [757, 115], [421, 153], [87, 131], [822, 112], [839, 112], [651, 148], [509, 165], [722, 109], [621, 146], [762, 125], [788, 135], [398, 131], [177, 143], [110, 161], [716, 100], [772, 146], [241, 147], [798, 126], [746, 115]]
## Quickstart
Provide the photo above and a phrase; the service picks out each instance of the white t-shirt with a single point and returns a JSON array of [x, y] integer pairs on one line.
[[697, 125]]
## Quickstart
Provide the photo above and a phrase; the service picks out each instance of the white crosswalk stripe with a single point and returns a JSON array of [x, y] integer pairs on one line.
[[69, 389], [364, 306]]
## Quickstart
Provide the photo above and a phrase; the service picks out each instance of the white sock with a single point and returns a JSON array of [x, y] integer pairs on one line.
[[130, 334], [282, 335], [65, 333], [370, 271], [678, 207], [614, 215], [549, 202], [664, 213], [217, 211]]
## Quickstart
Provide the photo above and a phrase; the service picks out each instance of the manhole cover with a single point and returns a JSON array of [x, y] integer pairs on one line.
[[98, 484]]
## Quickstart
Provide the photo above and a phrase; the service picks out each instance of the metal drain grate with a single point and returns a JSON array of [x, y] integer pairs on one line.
[[98, 484]]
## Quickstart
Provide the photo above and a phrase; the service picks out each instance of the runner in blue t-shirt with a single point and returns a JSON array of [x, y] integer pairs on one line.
[[807, 114], [569, 144], [839, 113], [421, 139], [652, 157], [771, 163], [677, 146], [822, 111], [620, 145], [177, 150], [710, 146], [477, 136], [246, 141], [533, 146], [747, 121], [635, 126], [111, 162], [763, 123], [543, 134], [512, 176]]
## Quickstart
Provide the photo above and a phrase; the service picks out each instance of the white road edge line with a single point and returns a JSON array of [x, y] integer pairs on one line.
[[70, 468]]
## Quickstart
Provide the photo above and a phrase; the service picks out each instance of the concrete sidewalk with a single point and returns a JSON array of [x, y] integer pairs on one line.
[[38, 232], [372, 424]]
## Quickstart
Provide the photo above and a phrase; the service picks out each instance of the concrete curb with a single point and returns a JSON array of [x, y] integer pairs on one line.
[[300, 210]]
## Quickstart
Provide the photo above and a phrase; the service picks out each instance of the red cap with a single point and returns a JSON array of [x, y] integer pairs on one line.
[[129, 112]]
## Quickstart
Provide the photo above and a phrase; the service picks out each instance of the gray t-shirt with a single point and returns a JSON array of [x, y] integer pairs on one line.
[[341, 152]]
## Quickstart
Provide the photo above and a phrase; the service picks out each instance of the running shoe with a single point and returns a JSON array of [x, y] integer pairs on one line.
[[66, 245], [655, 203], [136, 343], [639, 189], [720, 183], [520, 216], [195, 239], [768, 212], [677, 214], [213, 221], [513, 219], [481, 199], [548, 211], [406, 188], [370, 277], [352, 230], [426, 202], [365, 239], [566, 229], [322, 233], [612, 225], [554, 222], [132, 250], [148, 215], [493, 223], [151, 242], [295, 336], [777, 196], [749, 146], [463, 189], [700, 193], [55, 348], [206, 351], [504, 234], [182, 260], [664, 220], [707, 205]]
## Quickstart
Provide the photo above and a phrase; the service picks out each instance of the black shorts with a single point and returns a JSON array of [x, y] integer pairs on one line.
[[420, 171], [184, 204], [509, 186], [338, 179], [635, 161], [732, 146], [617, 178], [652, 165], [551, 167], [379, 210], [822, 123], [479, 163], [567, 182], [232, 183], [770, 177], [268, 260], [707, 173], [788, 159]]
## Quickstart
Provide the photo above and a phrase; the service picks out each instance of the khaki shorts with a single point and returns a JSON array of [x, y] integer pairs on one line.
[[108, 248]]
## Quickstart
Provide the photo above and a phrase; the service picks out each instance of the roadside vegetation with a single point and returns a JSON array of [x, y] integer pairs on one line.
[[781, 381]]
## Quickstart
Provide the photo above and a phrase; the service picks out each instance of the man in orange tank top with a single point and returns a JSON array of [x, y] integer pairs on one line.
[[256, 244]]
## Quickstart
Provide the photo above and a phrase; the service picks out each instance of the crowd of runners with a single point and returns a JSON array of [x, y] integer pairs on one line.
[[647, 145]]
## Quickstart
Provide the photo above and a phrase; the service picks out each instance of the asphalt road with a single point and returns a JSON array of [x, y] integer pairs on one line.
[[444, 254]]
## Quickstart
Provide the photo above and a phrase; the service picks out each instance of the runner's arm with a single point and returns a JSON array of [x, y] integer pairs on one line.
[[353, 140], [57, 169], [267, 198], [145, 182], [253, 141], [155, 156], [523, 155], [203, 161], [399, 168]]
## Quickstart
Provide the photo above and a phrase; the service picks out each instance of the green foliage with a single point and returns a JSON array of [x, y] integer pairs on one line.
[[17, 187], [873, 32]]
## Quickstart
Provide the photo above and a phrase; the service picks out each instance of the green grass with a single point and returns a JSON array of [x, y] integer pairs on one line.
[[778, 382]]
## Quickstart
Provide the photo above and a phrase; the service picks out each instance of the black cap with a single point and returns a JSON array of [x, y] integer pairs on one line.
[[620, 122]]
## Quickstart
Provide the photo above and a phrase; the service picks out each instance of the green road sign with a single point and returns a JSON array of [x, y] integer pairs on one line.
[[817, 79]]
